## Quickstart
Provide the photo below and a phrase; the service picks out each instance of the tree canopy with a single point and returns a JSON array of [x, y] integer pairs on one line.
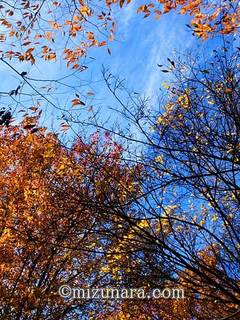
[[150, 201]]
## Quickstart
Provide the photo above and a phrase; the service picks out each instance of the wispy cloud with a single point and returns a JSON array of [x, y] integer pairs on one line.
[[168, 37], [125, 18]]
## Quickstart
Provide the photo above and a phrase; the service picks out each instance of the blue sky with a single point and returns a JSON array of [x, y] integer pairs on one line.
[[143, 43], [140, 44]]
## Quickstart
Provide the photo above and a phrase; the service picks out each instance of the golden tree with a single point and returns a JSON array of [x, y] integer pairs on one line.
[[55, 205]]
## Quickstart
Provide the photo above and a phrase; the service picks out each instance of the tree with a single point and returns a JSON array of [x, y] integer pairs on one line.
[[188, 211], [56, 206]]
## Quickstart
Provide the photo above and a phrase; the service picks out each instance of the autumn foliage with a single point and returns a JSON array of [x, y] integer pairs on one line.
[[186, 232], [110, 208], [33, 28], [53, 201]]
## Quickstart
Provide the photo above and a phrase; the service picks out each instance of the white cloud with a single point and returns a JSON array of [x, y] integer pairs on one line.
[[166, 38]]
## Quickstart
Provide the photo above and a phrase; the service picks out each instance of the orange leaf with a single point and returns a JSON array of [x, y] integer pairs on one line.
[[76, 102]]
